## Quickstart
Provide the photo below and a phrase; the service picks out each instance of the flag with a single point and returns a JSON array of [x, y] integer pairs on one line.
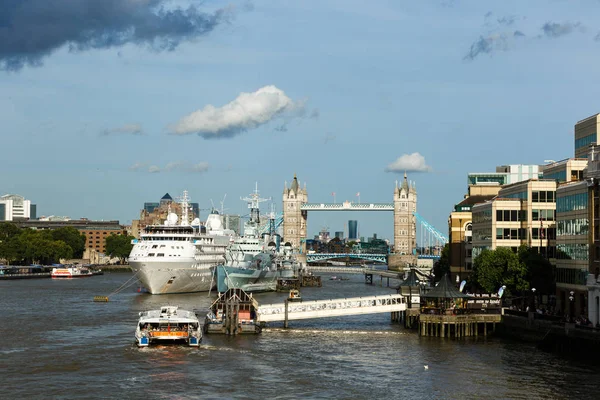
[[358, 194], [333, 193], [542, 227]]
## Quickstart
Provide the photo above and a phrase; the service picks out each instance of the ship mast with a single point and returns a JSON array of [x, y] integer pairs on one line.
[[253, 204], [184, 208]]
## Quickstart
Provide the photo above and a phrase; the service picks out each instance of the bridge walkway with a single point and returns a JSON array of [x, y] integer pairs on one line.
[[392, 303]]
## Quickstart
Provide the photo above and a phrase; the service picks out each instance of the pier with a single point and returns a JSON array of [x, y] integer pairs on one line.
[[369, 273], [457, 325], [393, 303], [338, 269]]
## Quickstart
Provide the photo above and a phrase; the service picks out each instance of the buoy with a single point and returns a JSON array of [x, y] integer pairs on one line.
[[101, 299]]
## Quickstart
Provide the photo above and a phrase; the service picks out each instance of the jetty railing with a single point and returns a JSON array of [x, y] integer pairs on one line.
[[331, 308]]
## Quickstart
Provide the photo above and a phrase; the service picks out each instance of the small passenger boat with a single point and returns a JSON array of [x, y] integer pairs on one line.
[[170, 324], [294, 295], [68, 272]]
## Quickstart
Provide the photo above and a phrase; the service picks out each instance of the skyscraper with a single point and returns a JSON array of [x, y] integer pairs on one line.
[[352, 229]]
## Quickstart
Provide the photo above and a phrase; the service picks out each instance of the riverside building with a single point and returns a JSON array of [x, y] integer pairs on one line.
[[522, 213], [586, 133], [572, 231], [14, 207], [482, 187]]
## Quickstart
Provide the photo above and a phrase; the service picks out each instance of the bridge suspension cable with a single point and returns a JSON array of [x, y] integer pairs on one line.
[[432, 240], [437, 234]]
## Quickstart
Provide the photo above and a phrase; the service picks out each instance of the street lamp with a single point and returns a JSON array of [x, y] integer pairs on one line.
[[533, 299], [571, 308], [460, 249]]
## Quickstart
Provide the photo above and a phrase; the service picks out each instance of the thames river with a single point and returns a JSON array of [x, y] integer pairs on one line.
[[55, 342]]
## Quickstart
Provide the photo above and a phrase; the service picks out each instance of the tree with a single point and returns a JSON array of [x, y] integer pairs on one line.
[[540, 272], [10, 250], [501, 267], [73, 238], [119, 246], [442, 266], [8, 230]]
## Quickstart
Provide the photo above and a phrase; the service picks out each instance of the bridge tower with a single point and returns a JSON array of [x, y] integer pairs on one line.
[[294, 219], [405, 225]]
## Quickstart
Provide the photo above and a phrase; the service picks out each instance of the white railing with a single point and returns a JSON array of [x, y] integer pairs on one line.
[[331, 308], [347, 206]]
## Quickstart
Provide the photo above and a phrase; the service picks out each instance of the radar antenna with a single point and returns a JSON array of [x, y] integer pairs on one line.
[[253, 204]]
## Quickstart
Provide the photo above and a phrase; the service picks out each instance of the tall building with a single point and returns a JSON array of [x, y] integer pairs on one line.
[[521, 213], [568, 170], [405, 226], [232, 222], [482, 187], [294, 219], [586, 133], [505, 174], [15, 208], [352, 229], [572, 245]]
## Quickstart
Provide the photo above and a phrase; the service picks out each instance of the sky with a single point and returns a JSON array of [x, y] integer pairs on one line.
[[107, 105]]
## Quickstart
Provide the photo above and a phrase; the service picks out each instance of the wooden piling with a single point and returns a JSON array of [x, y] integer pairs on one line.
[[285, 321]]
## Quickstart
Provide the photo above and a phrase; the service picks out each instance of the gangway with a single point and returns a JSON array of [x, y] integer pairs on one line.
[[331, 308]]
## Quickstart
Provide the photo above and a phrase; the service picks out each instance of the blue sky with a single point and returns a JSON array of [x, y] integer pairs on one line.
[[96, 121]]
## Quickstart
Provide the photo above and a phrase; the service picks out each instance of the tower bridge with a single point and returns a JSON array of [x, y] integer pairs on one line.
[[404, 208]]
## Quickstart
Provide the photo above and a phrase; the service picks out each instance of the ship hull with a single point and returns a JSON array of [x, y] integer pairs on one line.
[[173, 277], [250, 280]]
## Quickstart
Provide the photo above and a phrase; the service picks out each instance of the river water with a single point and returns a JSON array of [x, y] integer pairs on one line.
[[55, 342]]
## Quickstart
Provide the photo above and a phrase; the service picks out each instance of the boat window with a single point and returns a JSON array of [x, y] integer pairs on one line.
[[150, 254], [160, 255], [154, 246], [162, 245]]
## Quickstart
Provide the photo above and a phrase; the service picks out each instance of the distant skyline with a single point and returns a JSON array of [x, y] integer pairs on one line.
[[107, 105]]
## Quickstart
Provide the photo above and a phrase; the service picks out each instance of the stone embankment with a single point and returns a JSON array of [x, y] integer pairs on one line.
[[113, 268]]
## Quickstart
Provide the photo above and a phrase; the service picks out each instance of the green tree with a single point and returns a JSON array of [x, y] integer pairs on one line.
[[119, 246], [8, 230], [73, 238], [540, 272], [442, 266], [11, 250], [501, 267]]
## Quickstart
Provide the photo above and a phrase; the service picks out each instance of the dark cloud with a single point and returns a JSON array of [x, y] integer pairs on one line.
[[281, 128], [518, 34], [597, 37], [32, 29], [507, 20], [554, 29], [487, 45]]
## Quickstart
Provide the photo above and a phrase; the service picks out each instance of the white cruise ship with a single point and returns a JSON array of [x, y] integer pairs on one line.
[[177, 257]]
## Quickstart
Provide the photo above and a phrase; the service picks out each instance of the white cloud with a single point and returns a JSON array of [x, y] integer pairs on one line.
[[200, 167], [182, 166], [247, 111], [137, 166], [127, 129], [414, 162]]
